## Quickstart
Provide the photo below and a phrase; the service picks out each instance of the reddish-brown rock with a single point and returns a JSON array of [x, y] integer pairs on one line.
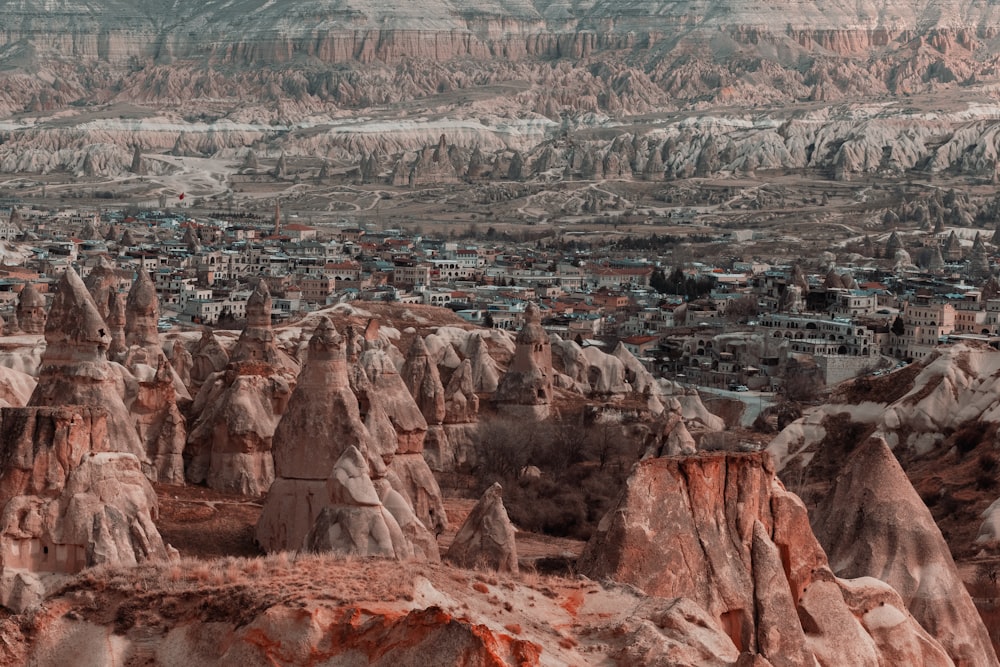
[[526, 387], [874, 524], [321, 422], [75, 369], [256, 342], [30, 310], [487, 538], [719, 529]]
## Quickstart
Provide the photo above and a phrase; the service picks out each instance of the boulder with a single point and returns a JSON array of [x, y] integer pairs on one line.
[[677, 633], [487, 538]]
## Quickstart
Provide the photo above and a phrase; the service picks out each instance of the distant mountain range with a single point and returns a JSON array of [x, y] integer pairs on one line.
[[210, 70]]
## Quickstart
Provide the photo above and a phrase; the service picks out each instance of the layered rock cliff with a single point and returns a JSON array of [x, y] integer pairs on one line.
[[511, 77]]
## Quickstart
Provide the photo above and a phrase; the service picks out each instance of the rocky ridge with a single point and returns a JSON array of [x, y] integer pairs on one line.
[[811, 69]]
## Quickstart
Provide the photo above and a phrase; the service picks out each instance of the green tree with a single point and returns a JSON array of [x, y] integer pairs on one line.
[[658, 281], [898, 327]]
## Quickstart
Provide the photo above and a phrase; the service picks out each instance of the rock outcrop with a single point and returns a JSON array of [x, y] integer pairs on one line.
[[526, 387], [487, 538], [102, 281], [208, 357], [66, 500], [485, 376], [182, 362], [355, 523], [321, 422], [154, 404], [420, 374], [395, 399], [30, 310], [720, 530], [142, 315], [455, 448], [874, 524], [256, 342], [75, 369], [238, 410], [668, 436]]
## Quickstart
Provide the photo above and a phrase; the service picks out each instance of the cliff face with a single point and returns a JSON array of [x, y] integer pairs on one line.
[[720, 530], [534, 64]]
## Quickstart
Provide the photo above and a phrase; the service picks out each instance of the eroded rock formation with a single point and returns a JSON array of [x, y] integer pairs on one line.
[[526, 387], [30, 310], [154, 405], [67, 501], [238, 409], [355, 523], [321, 422], [75, 369], [720, 530], [487, 538], [874, 524], [208, 357], [256, 343]]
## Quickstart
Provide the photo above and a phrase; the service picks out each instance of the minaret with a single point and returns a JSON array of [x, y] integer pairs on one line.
[[277, 219]]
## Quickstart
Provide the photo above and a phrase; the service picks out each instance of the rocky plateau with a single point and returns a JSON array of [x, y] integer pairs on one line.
[[520, 91]]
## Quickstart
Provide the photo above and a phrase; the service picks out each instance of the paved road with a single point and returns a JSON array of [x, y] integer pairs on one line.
[[755, 401]]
